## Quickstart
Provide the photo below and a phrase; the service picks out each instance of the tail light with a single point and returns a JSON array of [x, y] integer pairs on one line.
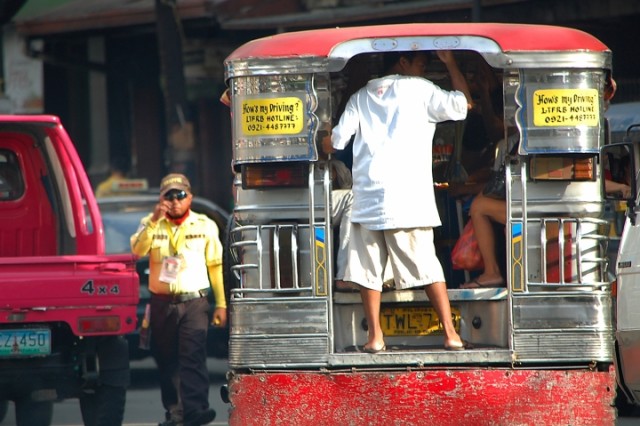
[[100, 324], [575, 168], [275, 175], [614, 289]]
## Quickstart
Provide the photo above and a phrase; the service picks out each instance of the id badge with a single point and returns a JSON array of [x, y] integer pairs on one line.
[[171, 266]]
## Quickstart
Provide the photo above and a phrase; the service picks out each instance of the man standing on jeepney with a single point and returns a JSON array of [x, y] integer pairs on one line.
[[185, 259], [394, 211]]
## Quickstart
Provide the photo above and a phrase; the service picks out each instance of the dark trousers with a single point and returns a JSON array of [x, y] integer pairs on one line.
[[179, 346]]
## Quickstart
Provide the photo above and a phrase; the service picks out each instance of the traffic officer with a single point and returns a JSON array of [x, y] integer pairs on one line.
[[185, 258]]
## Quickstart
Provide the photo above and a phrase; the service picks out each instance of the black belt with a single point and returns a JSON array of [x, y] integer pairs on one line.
[[180, 297]]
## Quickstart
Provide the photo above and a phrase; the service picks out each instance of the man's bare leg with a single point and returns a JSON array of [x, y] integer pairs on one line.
[[371, 304], [437, 294]]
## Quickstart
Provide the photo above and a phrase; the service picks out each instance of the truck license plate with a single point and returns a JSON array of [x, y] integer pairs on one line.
[[25, 342], [414, 321]]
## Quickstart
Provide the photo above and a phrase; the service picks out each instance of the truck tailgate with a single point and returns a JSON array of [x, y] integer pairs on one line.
[[67, 288]]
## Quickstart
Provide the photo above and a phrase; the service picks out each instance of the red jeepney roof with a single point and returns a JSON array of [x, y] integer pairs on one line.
[[510, 38]]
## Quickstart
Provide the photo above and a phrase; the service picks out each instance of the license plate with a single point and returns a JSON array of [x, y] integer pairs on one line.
[[25, 342], [414, 321]]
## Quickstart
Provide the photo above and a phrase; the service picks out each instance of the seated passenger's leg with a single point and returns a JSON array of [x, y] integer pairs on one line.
[[483, 212]]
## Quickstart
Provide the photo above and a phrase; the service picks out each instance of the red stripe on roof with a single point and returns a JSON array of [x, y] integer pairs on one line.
[[510, 37]]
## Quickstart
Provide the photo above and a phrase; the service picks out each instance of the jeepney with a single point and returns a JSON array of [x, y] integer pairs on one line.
[[543, 344]]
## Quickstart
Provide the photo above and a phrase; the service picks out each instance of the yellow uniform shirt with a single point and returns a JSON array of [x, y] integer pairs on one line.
[[196, 241]]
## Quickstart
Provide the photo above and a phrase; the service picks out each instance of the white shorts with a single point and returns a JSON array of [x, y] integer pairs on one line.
[[410, 253]]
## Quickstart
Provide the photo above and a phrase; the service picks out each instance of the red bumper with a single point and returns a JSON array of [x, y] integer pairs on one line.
[[429, 397]]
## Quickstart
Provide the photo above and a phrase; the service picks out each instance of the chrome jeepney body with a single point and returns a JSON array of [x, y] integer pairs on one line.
[[556, 309]]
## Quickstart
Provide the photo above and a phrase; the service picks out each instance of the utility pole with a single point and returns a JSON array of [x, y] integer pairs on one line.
[[181, 141]]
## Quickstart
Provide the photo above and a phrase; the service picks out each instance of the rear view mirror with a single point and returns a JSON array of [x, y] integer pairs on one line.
[[618, 171]]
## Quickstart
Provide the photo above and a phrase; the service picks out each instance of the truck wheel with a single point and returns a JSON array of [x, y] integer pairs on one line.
[[4, 406], [624, 407], [105, 407], [33, 413]]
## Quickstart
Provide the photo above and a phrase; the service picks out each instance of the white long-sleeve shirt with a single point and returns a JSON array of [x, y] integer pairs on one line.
[[394, 119]]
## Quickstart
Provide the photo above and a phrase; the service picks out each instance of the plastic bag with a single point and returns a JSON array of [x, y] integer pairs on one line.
[[466, 254]]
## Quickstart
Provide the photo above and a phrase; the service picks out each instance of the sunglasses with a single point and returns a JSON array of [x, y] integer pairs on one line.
[[175, 195]]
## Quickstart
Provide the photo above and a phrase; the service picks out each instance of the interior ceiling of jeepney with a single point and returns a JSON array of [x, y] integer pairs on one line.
[[509, 37], [363, 67]]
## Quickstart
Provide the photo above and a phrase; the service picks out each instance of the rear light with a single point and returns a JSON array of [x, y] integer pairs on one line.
[[562, 168], [274, 175], [102, 324]]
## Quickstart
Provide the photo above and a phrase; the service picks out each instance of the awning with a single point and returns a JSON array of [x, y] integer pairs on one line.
[[44, 17], [327, 17]]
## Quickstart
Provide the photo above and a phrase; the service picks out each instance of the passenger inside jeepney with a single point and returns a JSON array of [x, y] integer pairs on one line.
[[341, 205], [482, 130], [482, 154], [385, 229], [484, 126], [485, 211]]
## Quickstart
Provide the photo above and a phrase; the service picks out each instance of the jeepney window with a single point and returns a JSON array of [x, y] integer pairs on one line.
[[11, 180], [277, 117], [561, 110], [469, 141]]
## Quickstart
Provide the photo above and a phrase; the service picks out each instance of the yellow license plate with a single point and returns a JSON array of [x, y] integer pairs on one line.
[[414, 321]]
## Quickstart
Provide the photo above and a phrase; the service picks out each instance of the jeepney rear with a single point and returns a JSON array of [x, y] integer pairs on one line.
[[546, 337]]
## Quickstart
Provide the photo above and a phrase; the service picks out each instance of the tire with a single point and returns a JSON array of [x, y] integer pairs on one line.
[[33, 413], [624, 407], [104, 407]]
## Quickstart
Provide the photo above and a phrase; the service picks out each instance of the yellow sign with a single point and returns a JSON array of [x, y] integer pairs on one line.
[[414, 321], [272, 116], [566, 107]]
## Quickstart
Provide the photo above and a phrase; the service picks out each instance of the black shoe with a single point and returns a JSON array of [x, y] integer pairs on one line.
[[202, 418]]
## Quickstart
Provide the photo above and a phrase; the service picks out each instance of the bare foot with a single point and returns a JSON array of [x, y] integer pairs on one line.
[[374, 347], [461, 345]]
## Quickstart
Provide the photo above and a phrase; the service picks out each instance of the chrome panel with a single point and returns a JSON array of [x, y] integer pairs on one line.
[[485, 323], [567, 345], [278, 351], [562, 311], [420, 358], [281, 316], [549, 197]]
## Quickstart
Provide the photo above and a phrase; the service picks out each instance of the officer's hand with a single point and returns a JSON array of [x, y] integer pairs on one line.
[[160, 210], [219, 317]]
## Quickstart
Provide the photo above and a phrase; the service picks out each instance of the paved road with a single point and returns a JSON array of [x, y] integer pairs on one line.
[[143, 398]]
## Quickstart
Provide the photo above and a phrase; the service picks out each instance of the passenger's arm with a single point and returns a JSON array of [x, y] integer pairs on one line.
[[458, 82], [612, 186], [493, 120], [326, 144]]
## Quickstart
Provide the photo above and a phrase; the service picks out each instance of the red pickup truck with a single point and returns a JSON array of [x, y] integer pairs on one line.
[[65, 305]]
